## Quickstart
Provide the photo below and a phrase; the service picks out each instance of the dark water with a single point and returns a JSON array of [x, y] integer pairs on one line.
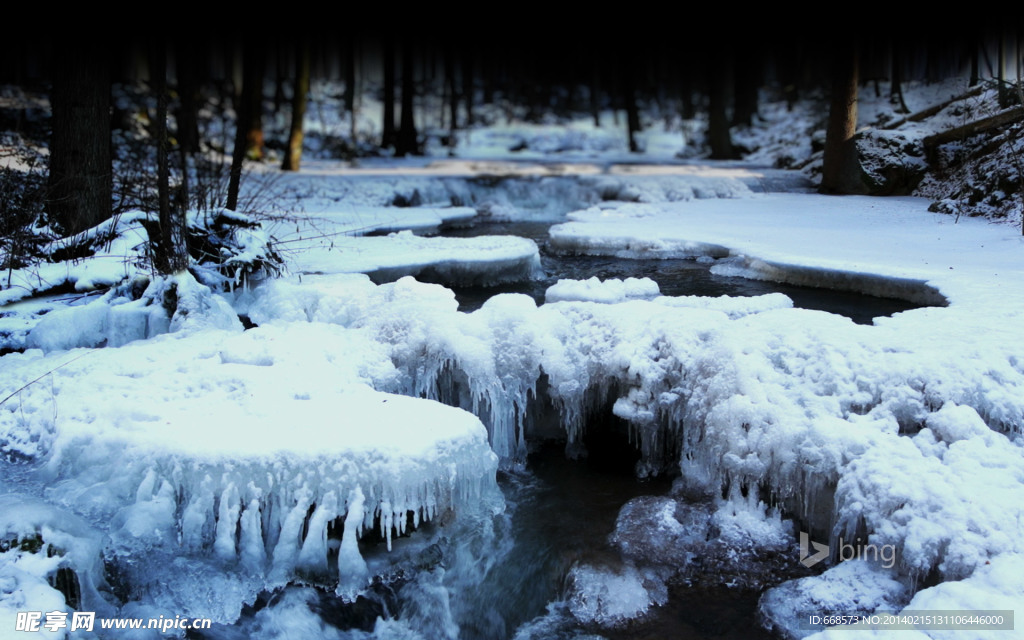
[[675, 277], [563, 512]]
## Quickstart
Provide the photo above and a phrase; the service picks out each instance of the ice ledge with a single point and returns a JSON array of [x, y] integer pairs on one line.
[[909, 289], [886, 246], [225, 450]]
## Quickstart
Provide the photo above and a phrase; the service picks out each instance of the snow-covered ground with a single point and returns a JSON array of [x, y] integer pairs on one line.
[[145, 430]]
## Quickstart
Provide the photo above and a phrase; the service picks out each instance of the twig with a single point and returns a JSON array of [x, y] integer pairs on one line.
[[32, 382]]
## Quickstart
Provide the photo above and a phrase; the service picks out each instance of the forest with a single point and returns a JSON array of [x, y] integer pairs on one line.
[[169, 124], [528, 332]]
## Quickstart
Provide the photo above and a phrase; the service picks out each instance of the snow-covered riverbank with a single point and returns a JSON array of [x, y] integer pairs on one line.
[[242, 452]]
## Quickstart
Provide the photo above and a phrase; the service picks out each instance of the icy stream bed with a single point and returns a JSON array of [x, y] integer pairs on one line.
[[178, 465], [674, 277]]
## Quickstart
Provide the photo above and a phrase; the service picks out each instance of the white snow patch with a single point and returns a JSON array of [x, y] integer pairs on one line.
[[607, 291]]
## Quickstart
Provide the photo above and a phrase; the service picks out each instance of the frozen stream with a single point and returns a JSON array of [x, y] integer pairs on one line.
[[560, 514], [675, 277], [763, 422]]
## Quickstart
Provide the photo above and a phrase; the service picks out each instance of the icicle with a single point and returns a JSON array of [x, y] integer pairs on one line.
[[287, 547], [353, 573], [253, 552], [197, 517], [313, 555], [147, 487], [227, 524]]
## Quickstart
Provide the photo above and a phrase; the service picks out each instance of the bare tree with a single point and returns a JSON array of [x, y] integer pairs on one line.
[[80, 183], [169, 254], [841, 170], [407, 141], [293, 154]]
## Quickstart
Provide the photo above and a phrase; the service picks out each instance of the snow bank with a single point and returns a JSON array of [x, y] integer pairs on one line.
[[851, 588], [117, 247], [38, 541], [869, 245], [120, 316], [255, 449], [482, 261], [611, 597], [607, 291], [732, 306], [360, 220], [805, 404], [862, 430]]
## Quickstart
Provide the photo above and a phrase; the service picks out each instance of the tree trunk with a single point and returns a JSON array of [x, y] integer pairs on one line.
[[748, 84], [188, 93], [896, 87], [80, 185], [467, 88], [841, 170], [252, 84], [453, 96], [407, 137], [349, 97], [595, 90], [719, 83], [293, 154], [169, 255], [252, 95], [387, 138], [632, 113]]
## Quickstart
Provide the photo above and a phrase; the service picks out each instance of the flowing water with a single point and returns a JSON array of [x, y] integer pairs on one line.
[[507, 577], [676, 277]]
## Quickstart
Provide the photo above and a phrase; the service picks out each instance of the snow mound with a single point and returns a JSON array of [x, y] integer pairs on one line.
[[850, 588], [480, 261], [323, 226], [609, 597], [732, 306], [37, 542], [607, 291], [121, 316], [253, 448]]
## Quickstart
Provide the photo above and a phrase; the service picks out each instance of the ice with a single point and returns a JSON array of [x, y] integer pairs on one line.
[[27, 570], [249, 451], [336, 242], [732, 306], [737, 542], [658, 530], [850, 588], [352, 571], [239, 450], [607, 291], [610, 597], [481, 261], [116, 319], [998, 585]]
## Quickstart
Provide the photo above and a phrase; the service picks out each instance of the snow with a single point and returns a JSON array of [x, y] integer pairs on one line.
[[850, 588], [608, 291], [610, 597], [796, 237], [338, 242], [483, 260], [213, 463], [226, 441], [67, 541]]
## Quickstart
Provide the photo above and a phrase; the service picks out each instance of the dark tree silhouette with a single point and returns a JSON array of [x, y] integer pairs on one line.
[[841, 170], [407, 141], [80, 185], [293, 153], [387, 138]]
